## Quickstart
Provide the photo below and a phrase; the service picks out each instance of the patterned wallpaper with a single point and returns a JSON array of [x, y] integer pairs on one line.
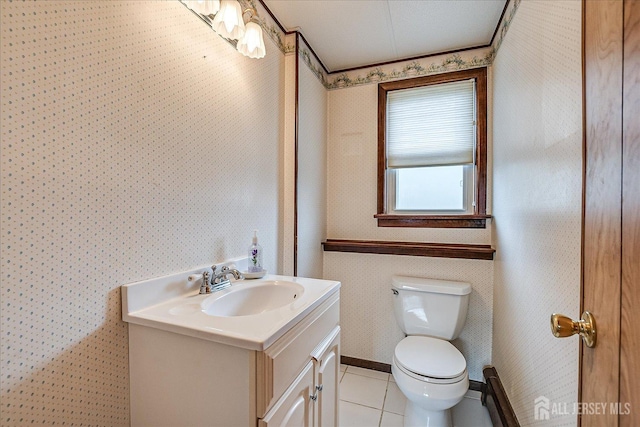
[[287, 178], [309, 59], [537, 204], [351, 203], [107, 109], [312, 172], [123, 126], [352, 148], [369, 330]]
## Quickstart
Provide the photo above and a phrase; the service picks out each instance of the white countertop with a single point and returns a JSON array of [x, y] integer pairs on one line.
[[173, 304]]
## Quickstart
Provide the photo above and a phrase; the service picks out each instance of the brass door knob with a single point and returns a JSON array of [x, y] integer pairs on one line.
[[562, 326]]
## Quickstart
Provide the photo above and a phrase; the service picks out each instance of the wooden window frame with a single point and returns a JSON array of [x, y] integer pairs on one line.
[[479, 216]]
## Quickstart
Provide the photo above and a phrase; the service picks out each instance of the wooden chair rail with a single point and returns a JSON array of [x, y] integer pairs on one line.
[[439, 250]]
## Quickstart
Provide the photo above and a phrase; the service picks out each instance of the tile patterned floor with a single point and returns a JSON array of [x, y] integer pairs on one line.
[[372, 399]]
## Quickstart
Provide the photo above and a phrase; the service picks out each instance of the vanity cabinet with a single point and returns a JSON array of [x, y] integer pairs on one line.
[[312, 399], [327, 368], [186, 380], [295, 408]]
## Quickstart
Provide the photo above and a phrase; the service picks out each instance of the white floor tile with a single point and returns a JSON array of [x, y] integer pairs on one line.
[[473, 394], [395, 400], [391, 420], [391, 379], [341, 376], [368, 373], [343, 367], [470, 413], [352, 415], [363, 390]]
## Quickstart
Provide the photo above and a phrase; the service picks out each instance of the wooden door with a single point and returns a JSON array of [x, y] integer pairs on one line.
[[611, 245]]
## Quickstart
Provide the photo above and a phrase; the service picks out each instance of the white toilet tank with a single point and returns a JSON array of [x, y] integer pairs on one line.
[[430, 307]]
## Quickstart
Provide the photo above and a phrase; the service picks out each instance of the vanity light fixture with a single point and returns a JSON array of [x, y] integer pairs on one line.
[[252, 43], [228, 20], [204, 7]]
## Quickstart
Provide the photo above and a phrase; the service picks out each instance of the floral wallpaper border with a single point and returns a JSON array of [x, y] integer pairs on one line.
[[312, 63], [270, 27], [475, 58], [506, 22], [402, 70]]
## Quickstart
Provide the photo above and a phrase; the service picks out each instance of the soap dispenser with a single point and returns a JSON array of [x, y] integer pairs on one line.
[[255, 255]]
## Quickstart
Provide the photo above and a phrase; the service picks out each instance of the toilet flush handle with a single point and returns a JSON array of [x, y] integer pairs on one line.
[[395, 291]]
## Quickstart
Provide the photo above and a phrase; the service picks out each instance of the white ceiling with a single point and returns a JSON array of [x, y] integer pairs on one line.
[[354, 33]]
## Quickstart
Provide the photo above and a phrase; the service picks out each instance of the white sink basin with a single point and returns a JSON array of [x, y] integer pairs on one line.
[[251, 314], [260, 297]]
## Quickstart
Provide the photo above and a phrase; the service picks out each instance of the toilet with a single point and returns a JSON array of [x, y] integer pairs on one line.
[[427, 368]]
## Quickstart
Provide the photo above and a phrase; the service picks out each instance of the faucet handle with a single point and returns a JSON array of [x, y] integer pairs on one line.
[[205, 287]]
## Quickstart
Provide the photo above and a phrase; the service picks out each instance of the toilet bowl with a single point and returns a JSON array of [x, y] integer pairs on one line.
[[427, 368], [431, 388]]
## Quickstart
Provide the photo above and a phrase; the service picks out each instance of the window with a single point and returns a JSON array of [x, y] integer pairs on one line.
[[432, 151]]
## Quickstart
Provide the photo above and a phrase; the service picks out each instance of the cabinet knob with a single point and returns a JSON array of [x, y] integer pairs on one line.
[[319, 387], [314, 397]]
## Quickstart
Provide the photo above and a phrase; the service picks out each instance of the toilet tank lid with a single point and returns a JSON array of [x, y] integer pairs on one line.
[[421, 284]]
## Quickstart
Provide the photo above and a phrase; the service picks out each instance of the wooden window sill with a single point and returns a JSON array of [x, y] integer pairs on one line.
[[432, 221], [438, 250]]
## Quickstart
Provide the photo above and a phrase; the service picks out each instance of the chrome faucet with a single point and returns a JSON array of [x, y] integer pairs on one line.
[[219, 281]]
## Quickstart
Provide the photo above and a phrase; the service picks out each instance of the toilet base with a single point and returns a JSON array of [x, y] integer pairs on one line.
[[415, 416]]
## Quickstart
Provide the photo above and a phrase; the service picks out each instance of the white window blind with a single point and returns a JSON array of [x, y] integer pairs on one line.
[[431, 125]]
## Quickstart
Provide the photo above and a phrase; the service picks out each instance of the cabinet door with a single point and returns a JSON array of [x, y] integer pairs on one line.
[[280, 364], [294, 409], [327, 365]]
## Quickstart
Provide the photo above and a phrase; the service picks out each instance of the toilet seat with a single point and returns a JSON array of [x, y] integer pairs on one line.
[[422, 378], [430, 359]]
